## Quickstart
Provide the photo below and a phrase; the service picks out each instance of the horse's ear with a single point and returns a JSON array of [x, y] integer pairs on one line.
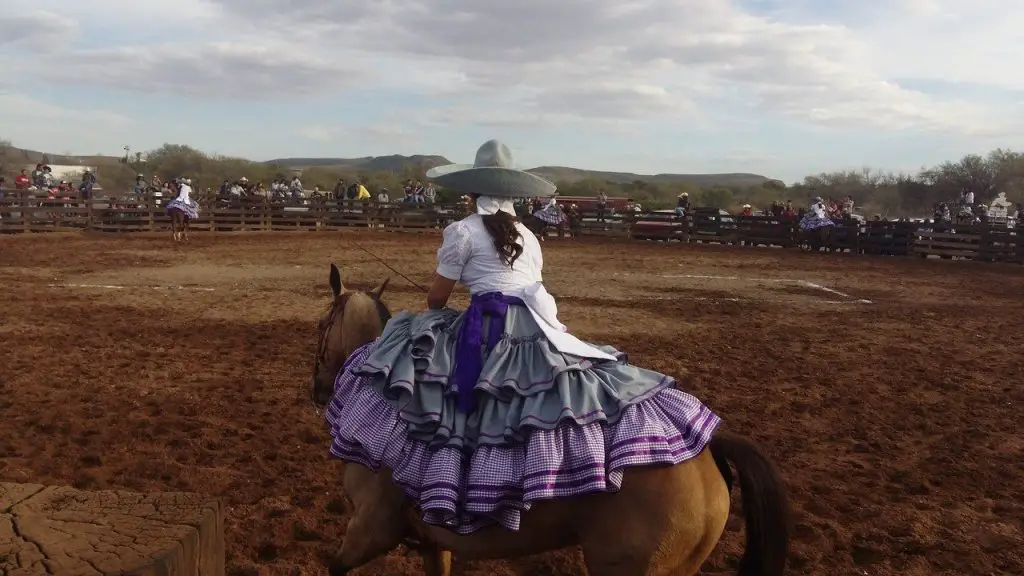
[[336, 286], [379, 290]]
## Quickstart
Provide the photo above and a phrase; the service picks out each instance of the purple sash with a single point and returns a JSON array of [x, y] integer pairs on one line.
[[469, 355]]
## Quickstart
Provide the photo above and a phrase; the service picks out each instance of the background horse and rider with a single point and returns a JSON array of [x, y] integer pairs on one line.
[[569, 225]]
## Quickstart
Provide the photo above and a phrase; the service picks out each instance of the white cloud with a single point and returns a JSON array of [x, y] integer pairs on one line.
[[580, 58], [617, 67], [243, 71], [30, 123], [38, 30], [23, 107]]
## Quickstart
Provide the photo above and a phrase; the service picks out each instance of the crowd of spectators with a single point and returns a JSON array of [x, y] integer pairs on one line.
[[42, 181], [281, 190]]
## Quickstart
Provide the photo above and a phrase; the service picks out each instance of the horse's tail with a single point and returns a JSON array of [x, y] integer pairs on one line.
[[765, 504]]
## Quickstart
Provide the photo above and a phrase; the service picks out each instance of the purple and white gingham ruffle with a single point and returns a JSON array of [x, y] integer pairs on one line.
[[496, 484], [191, 209]]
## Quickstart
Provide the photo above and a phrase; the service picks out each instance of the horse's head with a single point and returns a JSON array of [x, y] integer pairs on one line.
[[354, 318]]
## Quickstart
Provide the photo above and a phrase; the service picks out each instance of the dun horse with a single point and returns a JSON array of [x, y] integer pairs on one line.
[[665, 520]]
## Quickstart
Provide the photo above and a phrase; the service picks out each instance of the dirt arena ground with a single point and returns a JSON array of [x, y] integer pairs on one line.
[[889, 391]]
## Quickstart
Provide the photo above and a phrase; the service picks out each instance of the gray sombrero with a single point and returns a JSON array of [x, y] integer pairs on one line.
[[491, 174]]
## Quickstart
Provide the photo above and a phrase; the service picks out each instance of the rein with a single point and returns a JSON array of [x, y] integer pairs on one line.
[[389, 267]]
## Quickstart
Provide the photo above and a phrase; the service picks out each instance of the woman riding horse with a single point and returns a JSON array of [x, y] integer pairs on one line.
[[508, 435], [816, 226], [182, 209], [550, 215]]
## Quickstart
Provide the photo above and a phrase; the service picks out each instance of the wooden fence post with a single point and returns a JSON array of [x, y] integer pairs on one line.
[[25, 219]]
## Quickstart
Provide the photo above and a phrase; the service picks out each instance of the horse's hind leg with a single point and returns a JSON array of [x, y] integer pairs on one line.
[[436, 562], [378, 523]]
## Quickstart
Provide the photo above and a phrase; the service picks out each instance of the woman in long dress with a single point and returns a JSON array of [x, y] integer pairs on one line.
[[182, 209], [481, 413], [551, 214], [815, 217]]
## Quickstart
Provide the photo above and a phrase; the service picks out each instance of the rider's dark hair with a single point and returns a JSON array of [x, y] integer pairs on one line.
[[501, 226]]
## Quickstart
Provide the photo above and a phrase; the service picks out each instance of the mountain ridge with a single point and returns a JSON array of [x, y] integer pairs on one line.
[[397, 163]]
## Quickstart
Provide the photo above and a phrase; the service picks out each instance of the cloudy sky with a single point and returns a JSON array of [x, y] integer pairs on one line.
[[779, 87]]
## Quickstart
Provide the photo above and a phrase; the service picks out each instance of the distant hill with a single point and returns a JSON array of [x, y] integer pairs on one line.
[[564, 174], [397, 163], [393, 163], [19, 156]]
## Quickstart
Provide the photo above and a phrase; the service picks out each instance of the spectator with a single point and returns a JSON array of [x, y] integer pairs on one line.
[[682, 204], [602, 206], [418, 192], [88, 181], [22, 181], [37, 175], [362, 193], [295, 188], [383, 196], [848, 206], [141, 186], [238, 189], [430, 193], [49, 180]]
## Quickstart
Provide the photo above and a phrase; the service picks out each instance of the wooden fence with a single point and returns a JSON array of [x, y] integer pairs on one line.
[[979, 242]]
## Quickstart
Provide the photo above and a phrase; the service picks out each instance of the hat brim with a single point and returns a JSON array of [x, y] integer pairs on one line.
[[491, 181]]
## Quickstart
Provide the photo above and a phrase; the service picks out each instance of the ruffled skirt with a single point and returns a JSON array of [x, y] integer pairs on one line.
[[549, 215], [546, 425], [191, 209], [812, 221]]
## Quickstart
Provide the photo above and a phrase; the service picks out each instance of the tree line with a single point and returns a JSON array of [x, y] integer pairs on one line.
[[877, 192], [888, 194]]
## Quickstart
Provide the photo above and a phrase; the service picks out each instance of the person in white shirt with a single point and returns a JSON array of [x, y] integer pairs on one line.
[[966, 213], [295, 188], [500, 403]]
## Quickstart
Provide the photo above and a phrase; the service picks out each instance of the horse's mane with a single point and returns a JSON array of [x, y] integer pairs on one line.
[[363, 321]]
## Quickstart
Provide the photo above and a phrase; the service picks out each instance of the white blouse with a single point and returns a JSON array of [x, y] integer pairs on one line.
[[467, 254], [185, 194]]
